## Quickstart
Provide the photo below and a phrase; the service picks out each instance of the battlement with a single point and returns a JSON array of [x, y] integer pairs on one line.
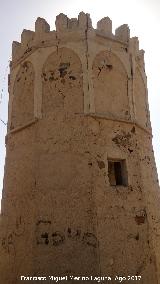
[[73, 29], [80, 176]]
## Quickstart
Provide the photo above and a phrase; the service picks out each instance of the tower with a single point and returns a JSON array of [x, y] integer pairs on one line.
[[80, 193]]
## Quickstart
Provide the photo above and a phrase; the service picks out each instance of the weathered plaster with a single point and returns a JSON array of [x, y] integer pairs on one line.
[[60, 215]]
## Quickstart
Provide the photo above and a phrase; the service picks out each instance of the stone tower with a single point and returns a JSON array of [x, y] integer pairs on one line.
[[80, 192]]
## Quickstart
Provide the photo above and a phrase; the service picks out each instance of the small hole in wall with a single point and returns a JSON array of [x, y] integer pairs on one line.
[[117, 172]]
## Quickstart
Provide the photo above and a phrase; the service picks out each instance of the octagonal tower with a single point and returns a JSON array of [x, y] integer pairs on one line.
[[80, 192]]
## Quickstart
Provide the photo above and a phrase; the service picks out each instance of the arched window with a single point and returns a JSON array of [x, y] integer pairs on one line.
[[110, 85], [62, 83]]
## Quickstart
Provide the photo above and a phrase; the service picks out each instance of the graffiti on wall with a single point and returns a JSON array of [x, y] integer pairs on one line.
[[45, 235], [8, 240]]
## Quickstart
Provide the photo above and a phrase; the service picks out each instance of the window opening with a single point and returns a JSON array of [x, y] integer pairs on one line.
[[117, 172]]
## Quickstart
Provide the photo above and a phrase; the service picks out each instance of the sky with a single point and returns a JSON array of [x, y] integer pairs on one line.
[[142, 16]]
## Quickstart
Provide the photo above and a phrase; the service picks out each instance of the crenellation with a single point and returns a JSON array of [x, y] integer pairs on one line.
[[61, 23], [43, 35], [123, 33], [134, 45], [16, 49], [140, 58], [41, 26], [66, 29], [89, 21], [82, 20], [136, 53], [72, 23], [64, 24], [105, 26], [27, 37]]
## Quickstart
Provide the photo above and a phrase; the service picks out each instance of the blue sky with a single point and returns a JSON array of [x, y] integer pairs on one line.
[[142, 16]]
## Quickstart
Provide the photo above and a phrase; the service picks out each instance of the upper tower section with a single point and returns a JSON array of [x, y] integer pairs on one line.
[[77, 70]]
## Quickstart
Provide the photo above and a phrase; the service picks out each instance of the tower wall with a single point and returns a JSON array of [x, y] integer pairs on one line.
[[78, 108]]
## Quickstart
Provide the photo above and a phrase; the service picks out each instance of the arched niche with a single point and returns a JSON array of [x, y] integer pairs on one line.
[[62, 83], [141, 104], [110, 83], [23, 96]]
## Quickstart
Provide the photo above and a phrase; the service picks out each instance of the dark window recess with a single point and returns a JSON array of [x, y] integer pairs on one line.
[[117, 172]]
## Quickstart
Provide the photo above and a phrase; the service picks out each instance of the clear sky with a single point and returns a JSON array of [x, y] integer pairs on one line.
[[142, 16]]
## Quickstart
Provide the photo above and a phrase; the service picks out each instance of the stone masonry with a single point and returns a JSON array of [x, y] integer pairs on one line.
[[81, 194]]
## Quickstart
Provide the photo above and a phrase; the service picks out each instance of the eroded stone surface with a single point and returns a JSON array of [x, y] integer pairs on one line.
[[77, 102], [23, 96], [62, 83], [110, 85]]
